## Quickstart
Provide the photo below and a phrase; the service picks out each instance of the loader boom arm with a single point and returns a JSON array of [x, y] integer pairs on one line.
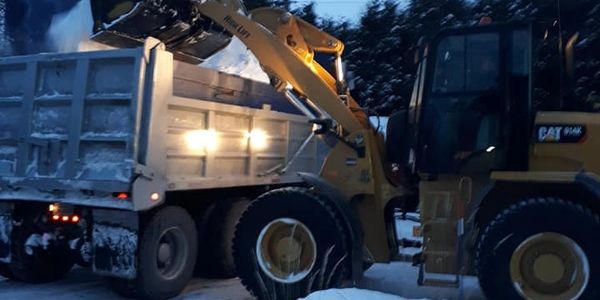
[[285, 46]]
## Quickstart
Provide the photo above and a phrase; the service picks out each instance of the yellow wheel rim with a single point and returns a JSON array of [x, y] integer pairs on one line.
[[549, 266], [286, 250]]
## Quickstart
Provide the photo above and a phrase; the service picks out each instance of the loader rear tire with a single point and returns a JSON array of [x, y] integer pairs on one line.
[[39, 266], [289, 243], [540, 248], [167, 255]]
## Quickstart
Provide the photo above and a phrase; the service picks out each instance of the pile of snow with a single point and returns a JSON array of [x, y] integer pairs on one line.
[[238, 60], [351, 294], [71, 29], [70, 32], [4, 43]]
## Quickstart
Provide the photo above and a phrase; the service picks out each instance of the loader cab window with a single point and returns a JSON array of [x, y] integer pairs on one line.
[[468, 63], [462, 125]]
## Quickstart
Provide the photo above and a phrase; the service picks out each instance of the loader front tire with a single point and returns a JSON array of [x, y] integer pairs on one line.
[[542, 248], [289, 243], [167, 255]]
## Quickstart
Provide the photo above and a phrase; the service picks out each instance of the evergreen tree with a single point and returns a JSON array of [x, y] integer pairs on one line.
[[427, 17], [376, 58], [307, 13], [284, 4], [587, 72], [340, 28], [580, 17], [504, 10]]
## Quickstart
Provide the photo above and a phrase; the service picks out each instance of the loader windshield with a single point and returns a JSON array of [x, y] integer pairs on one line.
[[467, 64]]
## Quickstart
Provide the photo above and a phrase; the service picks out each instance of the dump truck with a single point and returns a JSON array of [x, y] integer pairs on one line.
[[508, 187], [134, 163]]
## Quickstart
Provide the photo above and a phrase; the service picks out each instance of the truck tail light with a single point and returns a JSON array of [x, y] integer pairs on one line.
[[63, 213], [121, 196]]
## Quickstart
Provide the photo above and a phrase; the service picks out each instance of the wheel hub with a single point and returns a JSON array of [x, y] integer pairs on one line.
[[286, 250], [171, 253], [164, 253], [289, 249], [549, 266]]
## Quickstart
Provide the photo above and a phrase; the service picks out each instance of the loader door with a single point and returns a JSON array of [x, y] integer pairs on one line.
[[475, 108], [475, 118]]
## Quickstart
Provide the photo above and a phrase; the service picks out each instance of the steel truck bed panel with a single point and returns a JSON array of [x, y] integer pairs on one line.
[[69, 116], [77, 127], [241, 145]]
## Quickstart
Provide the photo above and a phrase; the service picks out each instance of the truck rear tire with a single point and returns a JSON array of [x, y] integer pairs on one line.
[[5, 271], [40, 265], [221, 229], [540, 248], [289, 243], [167, 255]]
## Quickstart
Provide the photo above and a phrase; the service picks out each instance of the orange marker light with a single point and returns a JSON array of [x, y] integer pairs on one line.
[[122, 196], [75, 219]]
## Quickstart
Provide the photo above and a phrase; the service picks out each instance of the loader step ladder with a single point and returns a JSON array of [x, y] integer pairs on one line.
[[461, 196]]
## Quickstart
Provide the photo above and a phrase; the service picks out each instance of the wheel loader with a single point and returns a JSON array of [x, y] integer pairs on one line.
[[507, 188]]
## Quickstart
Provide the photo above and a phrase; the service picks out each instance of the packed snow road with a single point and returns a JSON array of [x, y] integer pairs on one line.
[[397, 278]]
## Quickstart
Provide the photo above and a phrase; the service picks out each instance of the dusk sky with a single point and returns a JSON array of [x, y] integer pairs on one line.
[[349, 9]]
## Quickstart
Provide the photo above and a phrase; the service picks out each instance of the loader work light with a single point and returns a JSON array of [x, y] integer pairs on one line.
[[198, 140], [258, 139]]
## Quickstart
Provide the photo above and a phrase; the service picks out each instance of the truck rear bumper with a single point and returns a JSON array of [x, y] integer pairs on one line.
[[82, 193], [114, 239]]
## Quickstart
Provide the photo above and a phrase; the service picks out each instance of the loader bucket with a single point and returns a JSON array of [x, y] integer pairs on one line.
[[176, 23]]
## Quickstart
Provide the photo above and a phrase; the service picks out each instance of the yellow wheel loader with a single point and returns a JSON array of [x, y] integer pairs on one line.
[[507, 191]]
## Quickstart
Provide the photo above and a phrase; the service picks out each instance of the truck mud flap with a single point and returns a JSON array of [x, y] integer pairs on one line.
[[5, 231], [115, 242]]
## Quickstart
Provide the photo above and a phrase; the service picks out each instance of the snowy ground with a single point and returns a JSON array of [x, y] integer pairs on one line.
[[397, 278]]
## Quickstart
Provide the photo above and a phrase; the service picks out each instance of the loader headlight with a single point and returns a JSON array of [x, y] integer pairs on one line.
[[198, 140]]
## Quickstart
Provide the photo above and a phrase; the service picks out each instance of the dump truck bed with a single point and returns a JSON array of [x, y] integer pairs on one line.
[[79, 127]]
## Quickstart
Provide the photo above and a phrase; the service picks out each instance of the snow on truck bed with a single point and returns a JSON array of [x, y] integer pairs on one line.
[[70, 32]]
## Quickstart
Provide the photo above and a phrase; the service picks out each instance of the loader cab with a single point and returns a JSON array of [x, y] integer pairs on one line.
[[471, 105]]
